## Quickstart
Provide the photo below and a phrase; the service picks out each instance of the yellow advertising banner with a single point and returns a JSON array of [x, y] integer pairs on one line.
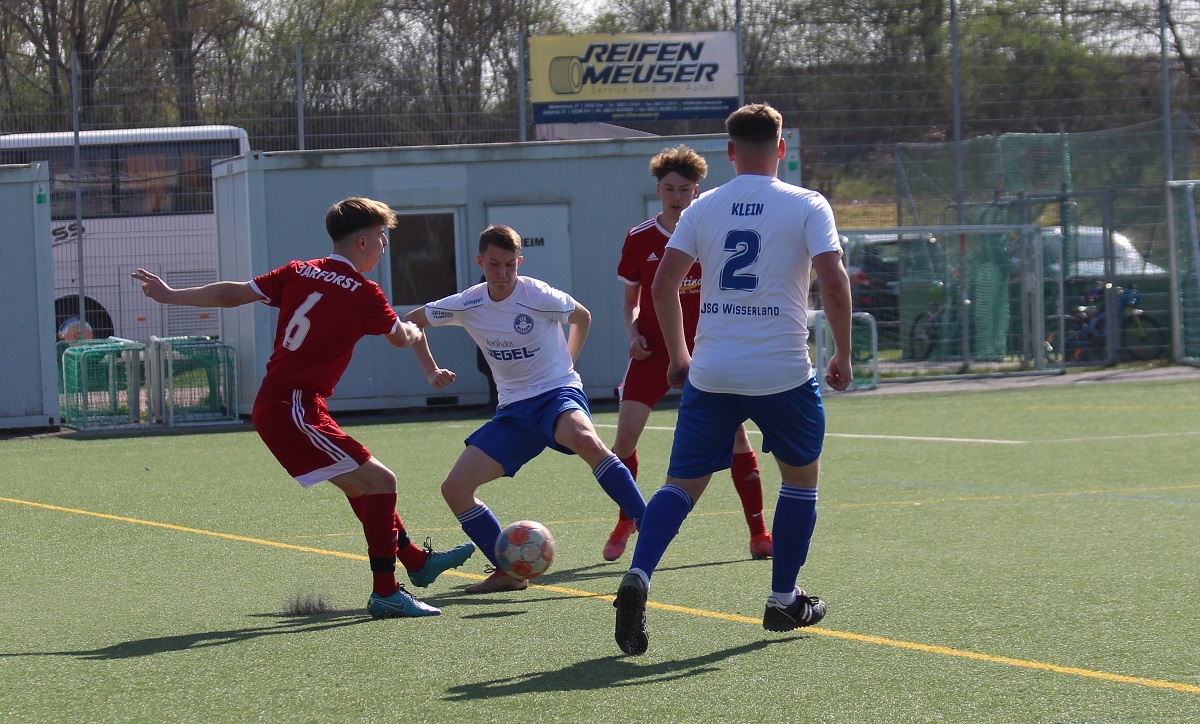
[[644, 76]]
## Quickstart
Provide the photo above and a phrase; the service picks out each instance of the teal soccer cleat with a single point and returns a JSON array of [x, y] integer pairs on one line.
[[439, 562], [400, 604]]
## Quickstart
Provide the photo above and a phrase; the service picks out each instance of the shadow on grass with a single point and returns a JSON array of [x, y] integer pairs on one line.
[[487, 600], [566, 577], [288, 624], [605, 673], [615, 570]]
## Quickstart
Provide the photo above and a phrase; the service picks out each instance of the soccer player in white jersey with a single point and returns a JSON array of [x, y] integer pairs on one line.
[[517, 322], [678, 172], [757, 239]]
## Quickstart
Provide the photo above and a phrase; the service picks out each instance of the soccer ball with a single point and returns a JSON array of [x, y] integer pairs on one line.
[[525, 549]]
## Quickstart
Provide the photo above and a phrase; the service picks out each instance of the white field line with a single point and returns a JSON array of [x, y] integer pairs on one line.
[[984, 441], [975, 440]]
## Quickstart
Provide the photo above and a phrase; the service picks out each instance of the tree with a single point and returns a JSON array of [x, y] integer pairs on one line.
[[58, 30], [469, 52], [184, 30]]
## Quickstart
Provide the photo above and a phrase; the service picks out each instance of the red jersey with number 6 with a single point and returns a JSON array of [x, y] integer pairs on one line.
[[640, 255], [325, 307]]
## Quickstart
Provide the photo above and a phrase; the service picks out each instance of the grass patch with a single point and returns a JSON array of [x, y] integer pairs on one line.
[[1022, 555]]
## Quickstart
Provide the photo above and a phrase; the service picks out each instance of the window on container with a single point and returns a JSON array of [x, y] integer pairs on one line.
[[422, 258]]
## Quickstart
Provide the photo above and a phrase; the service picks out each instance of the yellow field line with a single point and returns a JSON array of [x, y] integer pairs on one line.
[[845, 635], [185, 529], [895, 643]]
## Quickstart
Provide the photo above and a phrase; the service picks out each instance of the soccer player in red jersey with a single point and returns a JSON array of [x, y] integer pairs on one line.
[[679, 171], [325, 307]]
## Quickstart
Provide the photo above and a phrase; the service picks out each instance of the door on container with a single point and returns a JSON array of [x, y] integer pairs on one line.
[[423, 266], [545, 231]]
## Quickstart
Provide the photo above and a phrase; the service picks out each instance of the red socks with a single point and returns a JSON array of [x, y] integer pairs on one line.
[[749, 489], [411, 556], [631, 462], [385, 533]]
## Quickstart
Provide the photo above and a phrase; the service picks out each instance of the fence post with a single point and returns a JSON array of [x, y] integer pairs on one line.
[[299, 97], [522, 90], [78, 161]]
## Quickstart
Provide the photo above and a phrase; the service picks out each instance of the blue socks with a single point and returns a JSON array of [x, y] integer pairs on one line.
[[795, 518], [618, 482], [482, 527], [664, 514]]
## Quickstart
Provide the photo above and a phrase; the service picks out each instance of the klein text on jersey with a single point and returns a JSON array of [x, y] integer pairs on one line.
[[747, 209]]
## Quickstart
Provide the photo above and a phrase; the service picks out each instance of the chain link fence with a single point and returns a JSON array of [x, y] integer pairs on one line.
[[1061, 110]]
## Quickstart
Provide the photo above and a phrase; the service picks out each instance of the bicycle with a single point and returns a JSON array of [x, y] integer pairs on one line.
[[1083, 335]]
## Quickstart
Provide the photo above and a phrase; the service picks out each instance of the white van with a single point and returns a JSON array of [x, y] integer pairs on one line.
[[1089, 254]]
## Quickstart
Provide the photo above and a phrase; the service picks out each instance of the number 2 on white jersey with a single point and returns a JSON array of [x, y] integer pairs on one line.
[[744, 243], [299, 325]]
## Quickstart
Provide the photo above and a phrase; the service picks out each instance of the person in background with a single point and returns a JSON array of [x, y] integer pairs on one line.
[[678, 172]]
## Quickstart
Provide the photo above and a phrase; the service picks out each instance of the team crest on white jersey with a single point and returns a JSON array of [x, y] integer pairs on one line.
[[523, 324]]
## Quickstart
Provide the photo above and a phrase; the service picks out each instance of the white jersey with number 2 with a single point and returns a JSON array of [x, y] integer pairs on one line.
[[755, 237]]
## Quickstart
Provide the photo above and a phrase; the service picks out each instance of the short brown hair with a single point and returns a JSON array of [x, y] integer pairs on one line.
[[501, 237], [355, 214], [681, 160], [757, 124]]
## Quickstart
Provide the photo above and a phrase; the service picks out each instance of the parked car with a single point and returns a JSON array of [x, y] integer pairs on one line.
[[873, 264], [1089, 254]]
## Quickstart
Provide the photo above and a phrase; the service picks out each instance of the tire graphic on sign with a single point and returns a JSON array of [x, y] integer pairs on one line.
[[566, 75]]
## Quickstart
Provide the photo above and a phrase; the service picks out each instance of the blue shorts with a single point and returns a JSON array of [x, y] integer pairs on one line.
[[521, 430], [792, 425]]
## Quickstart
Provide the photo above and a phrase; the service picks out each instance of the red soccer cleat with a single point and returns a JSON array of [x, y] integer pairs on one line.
[[761, 546], [618, 539]]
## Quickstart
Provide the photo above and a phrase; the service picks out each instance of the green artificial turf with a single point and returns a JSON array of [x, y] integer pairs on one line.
[[1022, 555]]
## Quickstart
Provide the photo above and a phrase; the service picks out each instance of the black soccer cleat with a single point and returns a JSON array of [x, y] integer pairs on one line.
[[631, 615], [805, 611]]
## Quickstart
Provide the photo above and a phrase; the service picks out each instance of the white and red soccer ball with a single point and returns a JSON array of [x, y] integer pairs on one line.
[[525, 549]]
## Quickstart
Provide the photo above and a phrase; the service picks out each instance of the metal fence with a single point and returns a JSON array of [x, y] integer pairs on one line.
[[1185, 236], [902, 124]]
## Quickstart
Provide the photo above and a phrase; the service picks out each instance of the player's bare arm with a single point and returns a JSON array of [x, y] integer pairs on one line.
[[638, 348], [672, 269], [839, 309], [438, 377], [406, 334], [217, 294], [580, 321], [417, 317]]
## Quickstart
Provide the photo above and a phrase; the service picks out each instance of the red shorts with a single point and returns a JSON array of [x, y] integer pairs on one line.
[[646, 379], [299, 432]]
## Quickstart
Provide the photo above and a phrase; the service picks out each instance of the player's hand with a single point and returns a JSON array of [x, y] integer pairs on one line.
[[677, 372], [439, 378], [839, 375], [152, 286], [638, 348]]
